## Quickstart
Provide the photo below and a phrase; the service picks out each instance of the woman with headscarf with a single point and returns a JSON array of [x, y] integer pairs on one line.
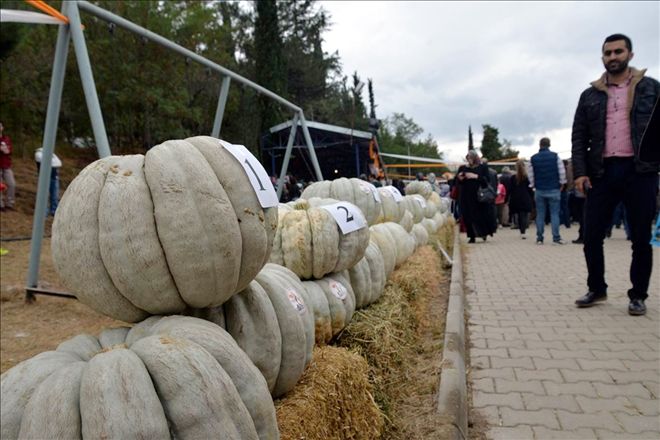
[[521, 196], [476, 215]]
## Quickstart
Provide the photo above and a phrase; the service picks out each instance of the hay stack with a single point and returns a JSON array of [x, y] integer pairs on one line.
[[333, 400]]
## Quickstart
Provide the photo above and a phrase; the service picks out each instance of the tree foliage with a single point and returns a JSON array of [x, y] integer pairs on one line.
[[149, 94], [492, 148], [400, 134]]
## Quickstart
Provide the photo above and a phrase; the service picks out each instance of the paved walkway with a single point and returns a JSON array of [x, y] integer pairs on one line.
[[543, 369]]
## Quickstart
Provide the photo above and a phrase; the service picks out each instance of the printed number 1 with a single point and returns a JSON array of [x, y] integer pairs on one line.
[[349, 216], [261, 185]]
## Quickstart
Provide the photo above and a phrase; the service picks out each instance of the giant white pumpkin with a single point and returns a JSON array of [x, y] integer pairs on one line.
[[168, 377], [391, 209], [356, 191], [180, 227], [272, 322], [310, 243]]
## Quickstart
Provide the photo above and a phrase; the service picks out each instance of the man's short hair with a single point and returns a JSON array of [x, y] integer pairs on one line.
[[617, 37], [544, 143]]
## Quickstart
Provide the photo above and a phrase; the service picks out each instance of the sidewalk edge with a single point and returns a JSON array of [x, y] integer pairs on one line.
[[452, 392]]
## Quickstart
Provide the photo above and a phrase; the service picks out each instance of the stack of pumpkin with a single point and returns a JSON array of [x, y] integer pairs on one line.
[[184, 227], [187, 229]]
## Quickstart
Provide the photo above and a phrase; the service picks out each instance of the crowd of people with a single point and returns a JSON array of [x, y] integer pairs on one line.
[[607, 182]]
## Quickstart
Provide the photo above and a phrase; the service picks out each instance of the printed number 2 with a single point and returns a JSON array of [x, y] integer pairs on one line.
[[261, 185], [349, 216]]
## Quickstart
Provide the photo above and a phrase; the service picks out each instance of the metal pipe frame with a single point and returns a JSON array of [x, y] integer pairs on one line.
[[48, 146], [126, 24], [73, 31], [287, 156]]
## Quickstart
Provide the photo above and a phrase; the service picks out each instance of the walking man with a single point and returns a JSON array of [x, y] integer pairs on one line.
[[609, 122], [547, 176]]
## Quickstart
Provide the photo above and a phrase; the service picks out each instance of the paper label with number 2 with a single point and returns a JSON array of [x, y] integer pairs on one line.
[[348, 216]]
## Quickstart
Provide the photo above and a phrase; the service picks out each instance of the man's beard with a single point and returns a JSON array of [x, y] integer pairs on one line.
[[616, 67]]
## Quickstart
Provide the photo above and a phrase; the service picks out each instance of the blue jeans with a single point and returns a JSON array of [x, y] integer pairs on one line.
[[54, 190], [547, 199]]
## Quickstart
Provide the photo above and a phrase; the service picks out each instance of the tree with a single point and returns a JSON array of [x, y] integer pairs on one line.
[[269, 65], [400, 134], [492, 148]]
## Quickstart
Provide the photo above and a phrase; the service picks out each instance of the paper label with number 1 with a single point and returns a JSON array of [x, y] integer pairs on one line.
[[348, 216], [259, 179]]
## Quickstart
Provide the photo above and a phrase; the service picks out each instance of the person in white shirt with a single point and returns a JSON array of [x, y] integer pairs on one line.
[[54, 187]]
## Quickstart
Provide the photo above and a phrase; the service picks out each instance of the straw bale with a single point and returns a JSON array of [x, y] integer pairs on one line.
[[333, 400]]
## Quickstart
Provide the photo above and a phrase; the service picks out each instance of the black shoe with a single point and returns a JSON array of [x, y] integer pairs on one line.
[[578, 241], [636, 307], [590, 298], [472, 240]]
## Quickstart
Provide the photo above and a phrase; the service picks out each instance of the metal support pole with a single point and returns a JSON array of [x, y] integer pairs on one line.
[[87, 78], [222, 102], [48, 145], [287, 155], [357, 158], [310, 146]]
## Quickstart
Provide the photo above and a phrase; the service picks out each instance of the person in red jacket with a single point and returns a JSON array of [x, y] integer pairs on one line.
[[6, 174]]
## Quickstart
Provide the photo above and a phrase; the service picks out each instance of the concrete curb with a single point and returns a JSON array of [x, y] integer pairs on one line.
[[452, 393]]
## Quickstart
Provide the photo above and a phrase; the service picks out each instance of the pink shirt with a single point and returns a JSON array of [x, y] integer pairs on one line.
[[617, 128]]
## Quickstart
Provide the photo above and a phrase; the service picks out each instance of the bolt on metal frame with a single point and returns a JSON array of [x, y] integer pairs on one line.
[[73, 31]]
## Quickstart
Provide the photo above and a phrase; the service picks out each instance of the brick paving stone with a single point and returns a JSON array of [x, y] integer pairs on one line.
[[621, 355], [512, 400], [517, 433], [647, 407], [592, 371], [610, 364], [632, 389], [485, 384], [480, 361], [534, 402], [544, 364], [637, 424], [541, 432], [587, 346], [543, 417], [609, 435], [494, 343], [558, 345], [490, 352], [653, 387], [518, 362], [613, 404], [633, 376], [623, 346], [529, 386], [550, 374], [527, 352], [591, 375], [490, 413], [603, 420], [575, 389], [648, 355], [478, 342], [641, 365], [503, 373]]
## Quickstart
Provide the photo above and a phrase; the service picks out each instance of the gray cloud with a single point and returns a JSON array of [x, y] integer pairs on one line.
[[519, 66]]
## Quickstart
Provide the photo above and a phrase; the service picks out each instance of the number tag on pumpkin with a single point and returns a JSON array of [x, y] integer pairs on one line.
[[347, 215], [255, 172], [369, 188], [395, 193], [296, 301], [337, 289], [421, 200]]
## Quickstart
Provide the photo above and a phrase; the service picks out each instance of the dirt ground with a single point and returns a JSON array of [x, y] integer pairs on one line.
[[28, 329]]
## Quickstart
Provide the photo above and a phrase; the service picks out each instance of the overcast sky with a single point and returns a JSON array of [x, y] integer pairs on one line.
[[519, 66]]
